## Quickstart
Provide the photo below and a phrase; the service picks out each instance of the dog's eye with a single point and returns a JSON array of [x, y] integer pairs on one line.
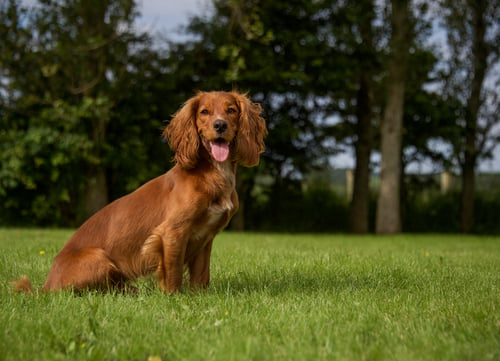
[[231, 111], [204, 112]]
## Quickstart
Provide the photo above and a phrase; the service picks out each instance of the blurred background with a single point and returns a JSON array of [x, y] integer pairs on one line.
[[383, 116]]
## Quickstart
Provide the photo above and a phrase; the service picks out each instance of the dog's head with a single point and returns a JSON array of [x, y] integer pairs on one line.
[[226, 124]]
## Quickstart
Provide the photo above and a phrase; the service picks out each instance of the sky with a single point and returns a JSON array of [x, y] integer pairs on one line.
[[165, 16]]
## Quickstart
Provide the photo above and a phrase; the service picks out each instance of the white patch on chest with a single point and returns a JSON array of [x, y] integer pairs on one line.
[[220, 208]]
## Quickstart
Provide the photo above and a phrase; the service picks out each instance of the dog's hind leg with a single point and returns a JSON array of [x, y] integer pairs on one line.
[[88, 268]]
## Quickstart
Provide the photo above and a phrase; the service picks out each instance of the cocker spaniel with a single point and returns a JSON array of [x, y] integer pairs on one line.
[[169, 222]]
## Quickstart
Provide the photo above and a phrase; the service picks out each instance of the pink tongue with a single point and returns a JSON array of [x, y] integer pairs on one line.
[[220, 151]]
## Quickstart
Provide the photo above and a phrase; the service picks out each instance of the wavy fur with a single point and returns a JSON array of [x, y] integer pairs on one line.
[[169, 223]]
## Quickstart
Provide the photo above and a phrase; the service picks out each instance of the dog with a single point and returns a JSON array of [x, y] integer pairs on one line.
[[169, 223]]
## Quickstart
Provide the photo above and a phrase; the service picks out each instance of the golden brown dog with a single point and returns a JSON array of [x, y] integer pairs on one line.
[[171, 221]]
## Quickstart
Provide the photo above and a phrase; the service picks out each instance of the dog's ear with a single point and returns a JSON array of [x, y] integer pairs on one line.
[[251, 132], [182, 135]]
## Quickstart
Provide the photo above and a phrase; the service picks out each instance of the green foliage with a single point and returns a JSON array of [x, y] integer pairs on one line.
[[437, 213], [440, 213], [89, 100], [317, 207], [269, 49], [46, 157], [288, 207], [82, 89], [297, 297]]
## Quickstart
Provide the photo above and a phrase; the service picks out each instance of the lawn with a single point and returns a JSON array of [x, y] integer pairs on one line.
[[272, 297]]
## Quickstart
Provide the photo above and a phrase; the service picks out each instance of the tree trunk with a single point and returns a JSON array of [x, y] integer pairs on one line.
[[467, 196], [93, 29], [96, 195], [388, 204], [479, 55], [359, 215], [360, 201]]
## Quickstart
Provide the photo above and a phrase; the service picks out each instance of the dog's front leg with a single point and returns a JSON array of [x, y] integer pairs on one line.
[[199, 268], [165, 250], [174, 250]]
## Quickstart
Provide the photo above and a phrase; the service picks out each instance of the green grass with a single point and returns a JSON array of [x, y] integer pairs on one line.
[[272, 297]]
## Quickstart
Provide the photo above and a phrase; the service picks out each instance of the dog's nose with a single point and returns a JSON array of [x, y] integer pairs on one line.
[[220, 126]]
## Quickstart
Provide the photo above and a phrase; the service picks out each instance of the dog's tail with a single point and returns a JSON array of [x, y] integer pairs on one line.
[[23, 284]]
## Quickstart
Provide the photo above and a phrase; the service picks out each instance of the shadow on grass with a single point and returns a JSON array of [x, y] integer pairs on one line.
[[321, 282], [282, 283]]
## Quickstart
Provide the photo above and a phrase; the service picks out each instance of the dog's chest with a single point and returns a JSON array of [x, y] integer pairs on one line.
[[222, 207], [219, 209], [216, 217]]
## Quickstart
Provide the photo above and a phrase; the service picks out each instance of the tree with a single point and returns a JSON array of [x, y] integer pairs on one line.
[[87, 38], [474, 43], [366, 55], [272, 50], [388, 204], [82, 110]]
